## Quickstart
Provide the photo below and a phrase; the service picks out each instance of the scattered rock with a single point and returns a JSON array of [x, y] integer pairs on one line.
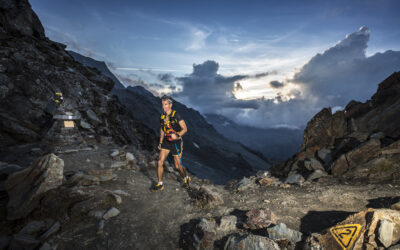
[[227, 225], [116, 197], [118, 164], [130, 157], [7, 169], [205, 233], [385, 233], [91, 177], [153, 164], [263, 173], [313, 164], [266, 181], [120, 192], [97, 214], [396, 206], [256, 242], [259, 218], [102, 174], [24, 241], [52, 230], [4, 242], [295, 179], [84, 124], [280, 231], [112, 212], [25, 188], [245, 184], [317, 174], [45, 246], [325, 155], [207, 196], [93, 117], [97, 201], [115, 153], [378, 135], [284, 185], [33, 227], [101, 227]]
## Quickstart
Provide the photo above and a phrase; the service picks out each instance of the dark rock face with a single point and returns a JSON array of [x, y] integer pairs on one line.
[[17, 17], [97, 65], [323, 129], [33, 68], [363, 140]]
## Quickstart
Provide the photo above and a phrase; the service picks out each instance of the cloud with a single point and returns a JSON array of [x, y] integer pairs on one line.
[[237, 87], [197, 39], [329, 79], [145, 69], [165, 78], [261, 75], [276, 84], [131, 80], [209, 91], [344, 72]]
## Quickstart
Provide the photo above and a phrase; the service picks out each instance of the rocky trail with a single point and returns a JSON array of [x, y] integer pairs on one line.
[[115, 183]]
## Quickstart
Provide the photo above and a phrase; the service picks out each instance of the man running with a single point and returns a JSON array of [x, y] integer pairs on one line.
[[173, 127]]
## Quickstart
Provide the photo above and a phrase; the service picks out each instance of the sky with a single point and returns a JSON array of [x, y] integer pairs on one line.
[[261, 63]]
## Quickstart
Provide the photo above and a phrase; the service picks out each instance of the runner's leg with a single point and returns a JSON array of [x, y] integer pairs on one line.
[[163, 155]]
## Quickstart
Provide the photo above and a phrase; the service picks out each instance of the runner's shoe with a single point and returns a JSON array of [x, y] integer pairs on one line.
[[186, 181], [158, 187]]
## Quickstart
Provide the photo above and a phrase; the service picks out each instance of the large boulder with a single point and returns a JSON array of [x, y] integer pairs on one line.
[[205, 233], [379, 228], [281, 231], [250, 242], [259, 218], [25, 188], [207, 196]]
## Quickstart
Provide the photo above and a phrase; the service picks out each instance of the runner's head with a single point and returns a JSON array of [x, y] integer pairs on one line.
[[166, 102]]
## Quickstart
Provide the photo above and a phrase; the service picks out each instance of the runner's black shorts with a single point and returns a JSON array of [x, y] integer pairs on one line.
[[170, 145]]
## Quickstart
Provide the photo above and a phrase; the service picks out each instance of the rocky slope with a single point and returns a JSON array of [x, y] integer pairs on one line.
[[361, 142], [101, 66], [208, 154], [33, 68]]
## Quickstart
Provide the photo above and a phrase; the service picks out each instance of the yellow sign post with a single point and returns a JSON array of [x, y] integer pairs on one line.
[[69, 124], [346, 235]]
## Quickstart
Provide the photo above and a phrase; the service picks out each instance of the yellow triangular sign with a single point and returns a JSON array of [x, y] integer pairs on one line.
[[346, 235]]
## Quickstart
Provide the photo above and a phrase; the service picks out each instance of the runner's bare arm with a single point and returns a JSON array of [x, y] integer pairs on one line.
[[184, 128], [161, 135]]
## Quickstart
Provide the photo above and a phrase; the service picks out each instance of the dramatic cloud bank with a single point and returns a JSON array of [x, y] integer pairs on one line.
[[331, 79], [344, 72]]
